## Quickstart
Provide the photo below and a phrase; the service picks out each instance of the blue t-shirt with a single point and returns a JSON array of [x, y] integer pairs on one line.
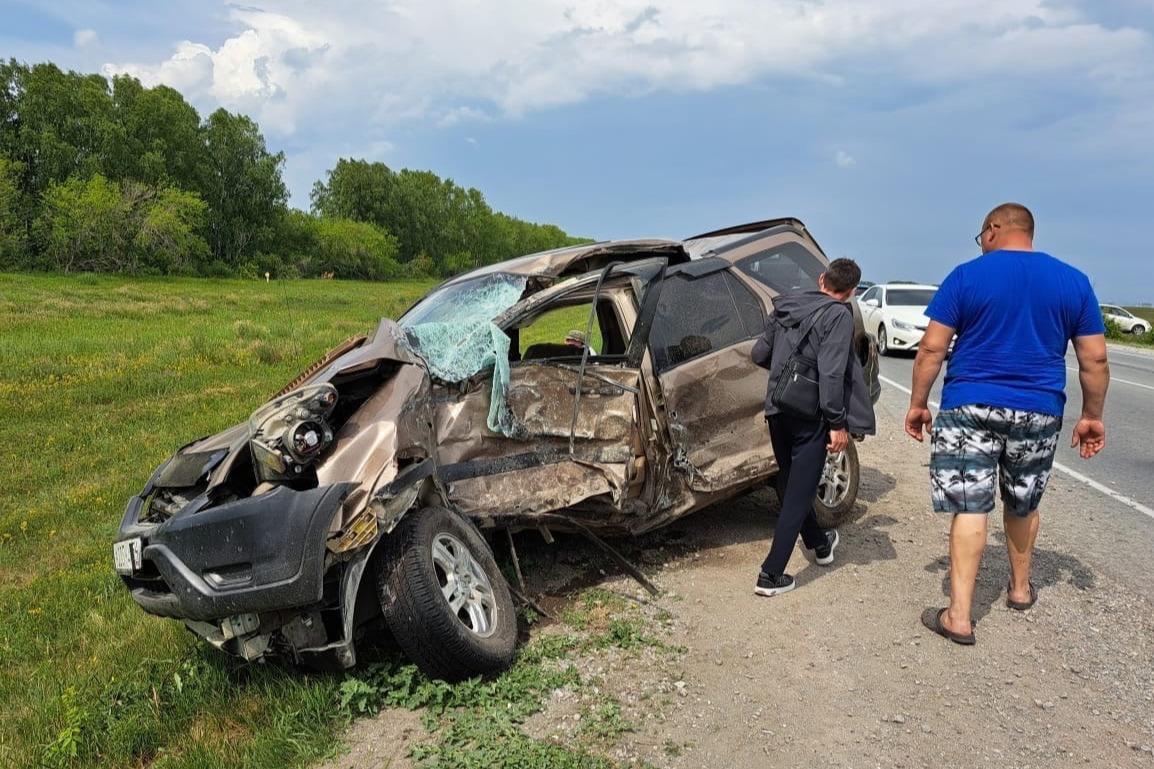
[[1015, 313]]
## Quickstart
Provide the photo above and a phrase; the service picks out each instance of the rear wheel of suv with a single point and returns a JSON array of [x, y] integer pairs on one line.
[[837, 491], [443, 597], [883, 341]]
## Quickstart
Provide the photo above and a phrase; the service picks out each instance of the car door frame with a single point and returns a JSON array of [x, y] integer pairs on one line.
[[682, 486], [502, 480]]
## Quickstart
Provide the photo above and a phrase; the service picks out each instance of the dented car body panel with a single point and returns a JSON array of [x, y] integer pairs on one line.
[[260, 537]]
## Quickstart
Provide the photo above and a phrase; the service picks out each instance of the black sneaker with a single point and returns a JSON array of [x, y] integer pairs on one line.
[[768, 585], [824, 555]]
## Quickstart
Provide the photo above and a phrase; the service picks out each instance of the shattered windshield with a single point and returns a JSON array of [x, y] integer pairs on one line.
[[452, 329], [482, 298]]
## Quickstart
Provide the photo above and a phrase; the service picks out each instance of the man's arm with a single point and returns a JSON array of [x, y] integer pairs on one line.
[[927, 366], [1094, 374], [762, 352]]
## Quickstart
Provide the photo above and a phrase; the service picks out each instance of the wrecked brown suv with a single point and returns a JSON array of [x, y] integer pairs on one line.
[[359, 493]]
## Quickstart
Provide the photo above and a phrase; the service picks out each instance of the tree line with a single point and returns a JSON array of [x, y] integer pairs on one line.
[[100, 175]]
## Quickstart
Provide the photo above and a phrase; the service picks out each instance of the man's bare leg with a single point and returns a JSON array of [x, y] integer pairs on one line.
[[1021, 531], [967, 541]]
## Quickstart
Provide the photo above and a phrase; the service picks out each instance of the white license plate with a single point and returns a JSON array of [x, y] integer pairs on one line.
[[127, 555]]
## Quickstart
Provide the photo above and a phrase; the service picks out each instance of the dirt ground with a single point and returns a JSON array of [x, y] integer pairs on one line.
[[840, 672]]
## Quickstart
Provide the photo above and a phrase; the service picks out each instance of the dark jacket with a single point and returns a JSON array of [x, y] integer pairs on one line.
[[844, 396]]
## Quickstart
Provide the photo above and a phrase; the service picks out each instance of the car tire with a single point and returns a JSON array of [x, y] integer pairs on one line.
[[1137, 329], [843, 471], [883, 341], [435, 556]]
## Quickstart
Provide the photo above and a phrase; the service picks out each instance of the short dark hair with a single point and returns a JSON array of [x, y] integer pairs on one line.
[[1011, 216], [842, 275]]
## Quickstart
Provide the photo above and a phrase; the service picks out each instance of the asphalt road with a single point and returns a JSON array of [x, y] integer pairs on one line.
[[1126, 466]]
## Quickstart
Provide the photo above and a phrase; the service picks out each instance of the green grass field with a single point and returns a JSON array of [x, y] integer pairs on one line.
[[101, 378]]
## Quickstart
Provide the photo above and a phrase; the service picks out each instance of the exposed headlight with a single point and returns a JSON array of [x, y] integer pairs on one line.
[[901, 325], [289, 432]]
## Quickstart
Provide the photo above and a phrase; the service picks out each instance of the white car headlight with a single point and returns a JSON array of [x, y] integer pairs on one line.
[[901, 325]]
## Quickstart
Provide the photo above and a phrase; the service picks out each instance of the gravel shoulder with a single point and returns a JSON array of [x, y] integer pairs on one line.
[[840, 673]]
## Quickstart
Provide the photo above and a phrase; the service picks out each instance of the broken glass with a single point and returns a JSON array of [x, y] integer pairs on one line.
[[453, 331]]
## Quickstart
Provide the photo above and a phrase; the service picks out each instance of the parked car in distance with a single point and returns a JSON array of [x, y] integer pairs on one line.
[[353, 503], [1126, 320], [864, 286], [894, 314]]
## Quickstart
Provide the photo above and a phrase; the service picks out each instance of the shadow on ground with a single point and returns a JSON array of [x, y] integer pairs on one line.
[[572, 563], [1049, 568]]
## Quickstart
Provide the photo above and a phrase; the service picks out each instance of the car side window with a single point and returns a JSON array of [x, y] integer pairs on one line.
[[749, 307], [870, 294], [696, 316], [786, 268]]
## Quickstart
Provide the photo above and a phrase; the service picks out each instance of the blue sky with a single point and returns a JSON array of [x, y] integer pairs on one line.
[[890, 127]]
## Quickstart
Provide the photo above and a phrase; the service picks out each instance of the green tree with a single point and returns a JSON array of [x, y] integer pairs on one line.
[[84, 226], [13, 243], [355, 189], [56, 124], [350, 249], [166, 225], [97, 225], [158, 136], [240, 180], [448, 227]]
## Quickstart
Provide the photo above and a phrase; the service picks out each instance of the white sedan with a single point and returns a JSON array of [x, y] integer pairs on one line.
[[895, 314]]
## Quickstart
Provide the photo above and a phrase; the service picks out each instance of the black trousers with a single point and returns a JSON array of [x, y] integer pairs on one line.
[[799, 445]]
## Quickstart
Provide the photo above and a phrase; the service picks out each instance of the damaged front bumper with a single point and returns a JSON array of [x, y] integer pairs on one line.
[[253, 555]]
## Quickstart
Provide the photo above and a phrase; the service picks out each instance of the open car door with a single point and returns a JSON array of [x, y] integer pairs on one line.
[[575, 409]]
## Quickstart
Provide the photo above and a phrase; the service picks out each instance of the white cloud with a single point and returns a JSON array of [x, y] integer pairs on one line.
[[82, 38], [461, 60], [844, 159]]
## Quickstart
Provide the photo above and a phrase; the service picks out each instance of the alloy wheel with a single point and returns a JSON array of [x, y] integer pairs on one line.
[[835, 480], [464, 584]]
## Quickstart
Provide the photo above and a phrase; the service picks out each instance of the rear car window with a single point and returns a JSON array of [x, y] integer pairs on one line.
[[786, 268], [699, 315]]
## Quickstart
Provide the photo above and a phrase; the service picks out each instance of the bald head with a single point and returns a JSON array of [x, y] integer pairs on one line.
[[1011, 216], [1009, 226]]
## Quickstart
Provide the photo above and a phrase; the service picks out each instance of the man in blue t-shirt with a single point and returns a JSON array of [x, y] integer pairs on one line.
[[1015, 311]]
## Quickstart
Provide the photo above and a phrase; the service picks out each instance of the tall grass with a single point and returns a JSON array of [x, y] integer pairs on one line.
[[101, 378]]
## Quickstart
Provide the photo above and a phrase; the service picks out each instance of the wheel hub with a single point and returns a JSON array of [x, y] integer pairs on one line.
[[835, 479], [464, 584]]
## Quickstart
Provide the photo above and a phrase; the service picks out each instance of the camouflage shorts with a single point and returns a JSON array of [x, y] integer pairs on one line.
[[974, 444]]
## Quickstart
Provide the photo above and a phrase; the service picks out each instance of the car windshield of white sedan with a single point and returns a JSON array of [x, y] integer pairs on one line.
[[909, 297], [452, 330]]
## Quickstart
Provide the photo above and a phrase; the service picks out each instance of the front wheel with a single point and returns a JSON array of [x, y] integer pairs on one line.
[[444, 598], [837, 491], [1138, 329], [883, 342]]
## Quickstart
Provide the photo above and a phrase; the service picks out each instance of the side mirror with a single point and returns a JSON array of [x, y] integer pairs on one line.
[[873, 303]]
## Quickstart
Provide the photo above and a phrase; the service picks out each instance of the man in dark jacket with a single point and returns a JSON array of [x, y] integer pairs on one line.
[[819, 325]]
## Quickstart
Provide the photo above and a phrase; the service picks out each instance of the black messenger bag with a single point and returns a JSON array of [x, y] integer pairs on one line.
[[796, 392]]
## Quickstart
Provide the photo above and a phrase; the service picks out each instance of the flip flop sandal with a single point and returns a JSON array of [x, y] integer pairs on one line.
[[932, 619], [1019, 605]]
